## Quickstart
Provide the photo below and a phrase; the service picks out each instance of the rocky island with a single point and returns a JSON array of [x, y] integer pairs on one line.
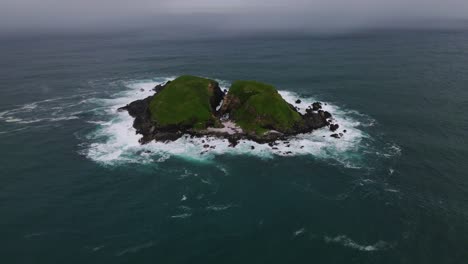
[[196, 106]]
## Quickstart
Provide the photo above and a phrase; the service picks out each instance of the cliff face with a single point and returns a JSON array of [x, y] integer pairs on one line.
[[188, 105]]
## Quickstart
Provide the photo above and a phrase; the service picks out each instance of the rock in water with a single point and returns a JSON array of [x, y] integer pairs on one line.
[[324, 114], [316, 106], [334, 127]]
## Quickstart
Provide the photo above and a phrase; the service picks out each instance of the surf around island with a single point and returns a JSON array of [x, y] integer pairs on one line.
[[195, 106]]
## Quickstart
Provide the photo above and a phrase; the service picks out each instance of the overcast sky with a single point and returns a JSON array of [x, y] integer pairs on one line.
[[17, 15]]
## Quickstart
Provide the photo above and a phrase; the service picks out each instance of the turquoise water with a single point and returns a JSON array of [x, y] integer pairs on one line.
[[75, 187]]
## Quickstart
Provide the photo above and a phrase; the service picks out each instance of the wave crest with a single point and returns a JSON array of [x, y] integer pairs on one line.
[[348, 242]]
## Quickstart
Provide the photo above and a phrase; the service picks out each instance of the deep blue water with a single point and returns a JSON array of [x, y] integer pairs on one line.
[[74, 189]]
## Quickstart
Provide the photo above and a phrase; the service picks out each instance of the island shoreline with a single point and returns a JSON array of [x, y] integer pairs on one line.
[[226, 128]]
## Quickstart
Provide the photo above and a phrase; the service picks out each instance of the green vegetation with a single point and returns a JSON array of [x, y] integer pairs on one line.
[[259, 108], [188, 101], [184, 102]]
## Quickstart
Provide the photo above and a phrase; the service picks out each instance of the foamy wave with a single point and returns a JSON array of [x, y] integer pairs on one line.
[[218, 207], [115, 140], [185, 215], [348, 242], [135, 249], [389, 151], [299, 232], [44, 111], [32, 121]]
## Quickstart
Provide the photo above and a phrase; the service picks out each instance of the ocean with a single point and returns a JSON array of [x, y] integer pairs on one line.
[[77, 187]]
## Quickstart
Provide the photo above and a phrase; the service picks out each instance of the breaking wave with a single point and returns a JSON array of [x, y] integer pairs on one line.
[[348, 242], [47, 111]]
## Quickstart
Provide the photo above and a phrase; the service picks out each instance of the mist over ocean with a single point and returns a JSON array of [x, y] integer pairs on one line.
[[76, 187]]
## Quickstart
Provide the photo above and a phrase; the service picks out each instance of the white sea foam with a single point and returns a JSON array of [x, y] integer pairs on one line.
[[13, 131], [348, 242], [219, 207], [185, 215], [97, 248], [45, 111], [115, 140], [299, 232], [185, 208], [135, 249]]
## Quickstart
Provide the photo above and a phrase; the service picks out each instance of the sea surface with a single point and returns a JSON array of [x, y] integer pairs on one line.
[[77, 187]]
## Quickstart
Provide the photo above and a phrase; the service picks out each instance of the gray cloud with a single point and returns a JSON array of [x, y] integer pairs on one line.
[[17, 15]]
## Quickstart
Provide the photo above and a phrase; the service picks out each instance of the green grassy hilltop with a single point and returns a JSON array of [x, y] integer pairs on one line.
[[186, 101], [190, 102], [258, 107]]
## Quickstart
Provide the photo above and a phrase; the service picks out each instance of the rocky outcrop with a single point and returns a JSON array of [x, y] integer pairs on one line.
[[314, 121], [334, 127], [230, 103], [143, 124], [316, 106], [139, 110], [158, 88]]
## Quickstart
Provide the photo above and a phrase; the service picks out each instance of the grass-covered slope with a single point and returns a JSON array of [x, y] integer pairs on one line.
[[258, 107], [186, 101]]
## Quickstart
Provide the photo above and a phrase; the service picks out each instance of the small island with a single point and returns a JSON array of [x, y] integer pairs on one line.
[[196, 106]]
